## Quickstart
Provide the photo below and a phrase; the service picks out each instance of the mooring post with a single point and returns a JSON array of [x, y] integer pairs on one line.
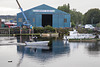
[[20, 31], [32, 31], [9, 31]]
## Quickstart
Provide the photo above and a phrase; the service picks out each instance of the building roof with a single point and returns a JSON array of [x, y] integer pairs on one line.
[[44, 8]]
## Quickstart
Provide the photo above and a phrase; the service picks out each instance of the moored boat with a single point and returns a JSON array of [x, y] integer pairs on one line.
[[75, 35], [37, 43]]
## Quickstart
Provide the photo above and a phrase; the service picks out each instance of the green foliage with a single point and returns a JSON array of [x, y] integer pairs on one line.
[[49, 29], [38, 29], [60, 30], [72, 24], [65, 8], [84, 30], [92, 16], [76, 17], [63, 30], [98, 24]]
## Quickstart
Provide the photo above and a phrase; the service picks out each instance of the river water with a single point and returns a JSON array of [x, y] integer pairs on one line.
[[59, 54]]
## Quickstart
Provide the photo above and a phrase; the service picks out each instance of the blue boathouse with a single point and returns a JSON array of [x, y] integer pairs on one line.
[[44, 15]]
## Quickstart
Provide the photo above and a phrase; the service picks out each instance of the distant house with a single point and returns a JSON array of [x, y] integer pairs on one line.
[[9, 24], [44, 15]]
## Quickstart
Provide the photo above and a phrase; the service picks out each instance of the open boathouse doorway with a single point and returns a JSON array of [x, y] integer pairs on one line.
[[46, 19]]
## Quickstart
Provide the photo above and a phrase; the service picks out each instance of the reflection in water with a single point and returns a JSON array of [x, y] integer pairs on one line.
[[94, 48], [59, 54], [56, 49], [21, 59], [22, 39]]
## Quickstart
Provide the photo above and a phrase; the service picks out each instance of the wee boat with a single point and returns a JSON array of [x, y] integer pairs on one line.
[[37, 43]]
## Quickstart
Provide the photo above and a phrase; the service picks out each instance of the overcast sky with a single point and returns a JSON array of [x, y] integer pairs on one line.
[[10, 7]]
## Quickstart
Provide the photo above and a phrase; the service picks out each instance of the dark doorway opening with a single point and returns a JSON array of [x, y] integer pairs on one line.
[[46, 20]]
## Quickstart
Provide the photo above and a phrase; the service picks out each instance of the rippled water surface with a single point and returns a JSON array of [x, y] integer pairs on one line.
[[59, 54]]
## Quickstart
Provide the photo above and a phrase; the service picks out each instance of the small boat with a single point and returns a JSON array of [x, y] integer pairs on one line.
[[38, 47], [37, 43]]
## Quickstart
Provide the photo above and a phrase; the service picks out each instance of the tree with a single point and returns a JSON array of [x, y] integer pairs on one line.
[[98, 24], [76, 17], [65, 8], [92, 16], [72, 24], [68, 8]]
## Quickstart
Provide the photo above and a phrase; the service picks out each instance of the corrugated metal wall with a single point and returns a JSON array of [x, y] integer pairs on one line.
[[35, 18]]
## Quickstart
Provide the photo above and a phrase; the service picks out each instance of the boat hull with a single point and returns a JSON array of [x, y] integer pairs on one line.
[[38, 43]]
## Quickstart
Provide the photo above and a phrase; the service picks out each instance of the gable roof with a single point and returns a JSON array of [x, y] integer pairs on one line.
[[46, 7]]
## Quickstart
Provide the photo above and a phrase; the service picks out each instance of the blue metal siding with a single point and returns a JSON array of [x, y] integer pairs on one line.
[[55, 21], [32, 16], [58, 17], [19, 16], [68, 21], [65, 23], [61, 21], [38, 20]]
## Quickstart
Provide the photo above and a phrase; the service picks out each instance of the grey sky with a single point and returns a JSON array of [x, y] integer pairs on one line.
[[9, 7]]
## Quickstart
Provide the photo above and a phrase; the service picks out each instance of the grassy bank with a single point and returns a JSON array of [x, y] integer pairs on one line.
[[83, 40], [6, 35], [37, 34], [19, 34]]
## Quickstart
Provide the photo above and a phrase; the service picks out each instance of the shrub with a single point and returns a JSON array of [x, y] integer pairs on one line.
[[48, 29], [72, 24], [98, 25], [38, 29]]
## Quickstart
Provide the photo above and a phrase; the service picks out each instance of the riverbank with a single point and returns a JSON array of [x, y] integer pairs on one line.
[[34, 34], [84, 40]]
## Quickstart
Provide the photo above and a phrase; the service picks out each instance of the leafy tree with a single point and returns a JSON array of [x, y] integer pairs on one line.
[[72, 24], [92, 16], [98, 24], [76, 17], [65, 8]]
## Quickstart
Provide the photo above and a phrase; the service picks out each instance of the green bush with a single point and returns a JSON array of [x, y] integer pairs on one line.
[[84, 30], [72, 24], [98, 25], [38, 29], [49, 29], [63, 31]]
